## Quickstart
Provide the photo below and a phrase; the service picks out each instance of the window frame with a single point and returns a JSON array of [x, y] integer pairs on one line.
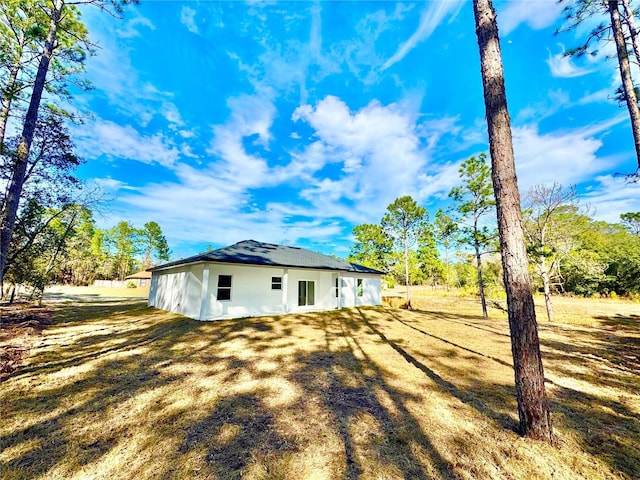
[[224, 288], [306, 293]]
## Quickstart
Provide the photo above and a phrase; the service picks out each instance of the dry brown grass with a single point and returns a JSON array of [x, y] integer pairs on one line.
[[66, 292], [119, 390]]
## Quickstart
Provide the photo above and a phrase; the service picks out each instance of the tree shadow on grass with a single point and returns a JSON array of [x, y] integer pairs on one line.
[[241, 429], [125, 362], [342, 392], [74, 312], [627, 322], [346, 382], [607, 429], [597, 355], [472, 398], [471, 321]]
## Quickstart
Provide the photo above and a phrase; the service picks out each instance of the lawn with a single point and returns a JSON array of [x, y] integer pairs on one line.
[[114, 389]]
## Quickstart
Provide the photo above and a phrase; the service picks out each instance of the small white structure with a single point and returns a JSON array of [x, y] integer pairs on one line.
[[252, 278]]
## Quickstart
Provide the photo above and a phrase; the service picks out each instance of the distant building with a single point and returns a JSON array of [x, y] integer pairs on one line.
[[251, 278], [141, 279]]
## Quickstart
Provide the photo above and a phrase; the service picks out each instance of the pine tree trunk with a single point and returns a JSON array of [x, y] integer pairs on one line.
[[625, 74], [17, 179], [406, 272], [483, 300], [5, 106], [446, 264], [633, 32], [546, 285], [533, 409]]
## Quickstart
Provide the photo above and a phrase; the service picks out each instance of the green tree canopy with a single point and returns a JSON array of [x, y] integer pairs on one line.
[[405, 222], [631, 221], [154, 244], [474, 201], [372, 247]]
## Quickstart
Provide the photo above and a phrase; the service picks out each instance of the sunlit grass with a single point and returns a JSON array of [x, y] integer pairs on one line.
[[119, 390], [62, 291]]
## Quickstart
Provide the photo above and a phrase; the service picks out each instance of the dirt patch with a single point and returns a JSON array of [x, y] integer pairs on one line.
[[20, 326]]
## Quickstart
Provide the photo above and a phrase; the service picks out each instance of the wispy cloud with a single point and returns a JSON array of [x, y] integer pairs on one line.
[[116, 79], [288, 66], [432, 16], [563, 66], [188, 19], [124, 142], [360, 53], [536, 14], [350, 167], [610, 195], [567, 157]]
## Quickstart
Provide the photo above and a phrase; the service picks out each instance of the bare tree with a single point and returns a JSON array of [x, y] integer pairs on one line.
[[549, 233], [533, 409]]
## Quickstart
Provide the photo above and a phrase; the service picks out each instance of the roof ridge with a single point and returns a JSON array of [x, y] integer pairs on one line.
[[253, 252]]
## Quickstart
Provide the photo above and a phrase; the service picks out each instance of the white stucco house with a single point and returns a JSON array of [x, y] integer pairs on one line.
[[251, 278]]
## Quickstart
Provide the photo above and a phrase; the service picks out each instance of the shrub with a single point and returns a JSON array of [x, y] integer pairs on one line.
[[131, 284]]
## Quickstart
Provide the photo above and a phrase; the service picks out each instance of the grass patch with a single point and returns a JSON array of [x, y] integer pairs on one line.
[[120, 390], [67, 292]]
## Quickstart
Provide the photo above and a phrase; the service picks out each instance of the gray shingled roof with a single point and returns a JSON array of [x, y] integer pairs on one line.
[[250, 252]]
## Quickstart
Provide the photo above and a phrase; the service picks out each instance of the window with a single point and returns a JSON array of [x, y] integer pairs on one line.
[[360, 288], [224, 287], [276, 283], [306, 292], [144, 282], [337, 287]]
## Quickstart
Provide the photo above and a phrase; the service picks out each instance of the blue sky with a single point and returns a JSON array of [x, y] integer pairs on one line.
[[293, 122]]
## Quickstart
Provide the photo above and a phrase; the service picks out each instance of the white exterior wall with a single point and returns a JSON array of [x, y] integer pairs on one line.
[[177, 290], [181, 290], [371, 290], [251, 293], [325, 298]]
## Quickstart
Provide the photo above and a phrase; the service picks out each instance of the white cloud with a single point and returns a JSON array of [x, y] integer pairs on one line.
[[187, 18], [109, 184], [431, 17], [555, 101], [125, 142], [612, 195], [562, 66], [603, 95], [359, 52], [202, 207], [130, 28], [356, 163], [378, 150], [251, 116], [537, 14], [439, 183], [564, 157]]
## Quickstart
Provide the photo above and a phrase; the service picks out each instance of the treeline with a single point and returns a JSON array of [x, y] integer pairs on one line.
[[63, 245], [569, 251], [44, 209]]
